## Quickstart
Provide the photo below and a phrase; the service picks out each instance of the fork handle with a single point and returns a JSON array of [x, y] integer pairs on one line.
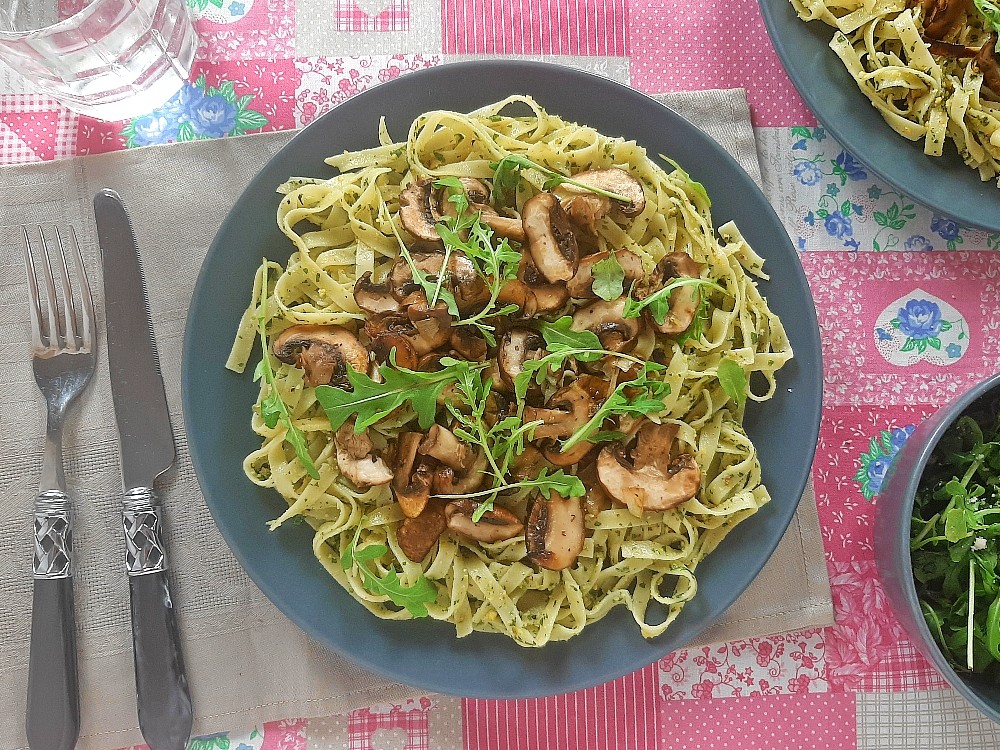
[[53, 712]]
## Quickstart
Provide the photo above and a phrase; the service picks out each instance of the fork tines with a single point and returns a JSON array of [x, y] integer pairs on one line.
[[51, 332]]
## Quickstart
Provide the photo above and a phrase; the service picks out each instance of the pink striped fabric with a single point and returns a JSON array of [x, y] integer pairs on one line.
[[619, 715], [535, 27]]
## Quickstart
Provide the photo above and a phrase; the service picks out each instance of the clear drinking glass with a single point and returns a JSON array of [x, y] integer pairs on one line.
[[111, 59]]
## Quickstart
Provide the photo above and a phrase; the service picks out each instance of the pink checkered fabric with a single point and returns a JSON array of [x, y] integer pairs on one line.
[[350, 17], [35, 128], [364, 723], [904, 669]]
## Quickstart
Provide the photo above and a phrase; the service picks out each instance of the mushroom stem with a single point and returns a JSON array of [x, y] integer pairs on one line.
[[441, 443]]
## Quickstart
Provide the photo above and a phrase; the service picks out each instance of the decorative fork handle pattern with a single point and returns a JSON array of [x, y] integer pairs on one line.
[[144, 549], [53, 535]]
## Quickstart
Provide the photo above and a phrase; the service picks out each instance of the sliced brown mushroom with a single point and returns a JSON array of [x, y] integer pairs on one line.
[[468, 343], [324, 352], [550, 237], [597, 499], [941, 17], [411, 483], [478, 195], [558, 457], [652, 481], [417, 536], [988, 64], [452, 481], [581, 286], [356, 459], [566, 411], [684, 300], [586, 208], [496, 525], [386, 343], [528, 465], [418, 211], [516, 347], [441, 443], [462, 280], [373, 298], [555, 532], [432, 326], [607, 320], [531, 292]]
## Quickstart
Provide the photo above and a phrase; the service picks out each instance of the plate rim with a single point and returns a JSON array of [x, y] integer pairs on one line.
[[812, 371]]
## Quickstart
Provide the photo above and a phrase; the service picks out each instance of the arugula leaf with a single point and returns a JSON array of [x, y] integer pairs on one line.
[[609, 278], [559, 482], [272, 408], [560, 337], [659, 301], [372, 401], [414, 598], [697, 187], [991, 12], [733, 379], [506, 172]]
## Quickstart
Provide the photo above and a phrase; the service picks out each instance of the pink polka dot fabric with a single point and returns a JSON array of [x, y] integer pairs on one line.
[[785, 722], [678, 47]]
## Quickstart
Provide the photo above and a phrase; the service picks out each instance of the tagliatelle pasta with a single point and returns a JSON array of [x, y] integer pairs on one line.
[[933, 74], [347, 226]]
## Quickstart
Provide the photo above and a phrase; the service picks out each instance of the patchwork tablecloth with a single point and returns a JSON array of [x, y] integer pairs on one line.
[[876, 262]]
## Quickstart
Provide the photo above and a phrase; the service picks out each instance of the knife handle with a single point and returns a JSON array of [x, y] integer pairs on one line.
[[164, 702], [53, 712]]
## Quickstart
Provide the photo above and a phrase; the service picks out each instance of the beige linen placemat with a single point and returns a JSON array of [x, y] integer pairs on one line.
[[247, 664]]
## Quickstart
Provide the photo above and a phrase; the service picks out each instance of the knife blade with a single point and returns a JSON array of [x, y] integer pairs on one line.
[[146, 446]]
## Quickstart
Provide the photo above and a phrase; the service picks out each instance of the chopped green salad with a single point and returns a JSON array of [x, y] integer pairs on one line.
[[954, 543]]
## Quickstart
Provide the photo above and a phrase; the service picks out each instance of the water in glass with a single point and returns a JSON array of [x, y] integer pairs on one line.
[[111, 59]]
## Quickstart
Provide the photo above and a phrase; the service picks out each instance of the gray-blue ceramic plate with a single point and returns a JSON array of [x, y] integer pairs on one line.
[[425, 653], [944, 184]]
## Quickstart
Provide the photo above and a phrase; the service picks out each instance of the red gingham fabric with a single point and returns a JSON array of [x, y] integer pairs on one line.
[[350, 17], [904, 669], [364, 723]]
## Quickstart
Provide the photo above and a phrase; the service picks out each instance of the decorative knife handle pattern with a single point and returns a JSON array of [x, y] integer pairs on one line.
[[144, 550], [53, 535]]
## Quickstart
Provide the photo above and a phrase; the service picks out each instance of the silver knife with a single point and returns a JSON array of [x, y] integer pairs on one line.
[[147, 450]]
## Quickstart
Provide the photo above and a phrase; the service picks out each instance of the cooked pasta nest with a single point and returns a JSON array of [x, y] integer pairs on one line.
[[563, 366]]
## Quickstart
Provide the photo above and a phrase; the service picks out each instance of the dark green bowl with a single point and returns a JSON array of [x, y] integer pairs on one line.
[[892, 543]]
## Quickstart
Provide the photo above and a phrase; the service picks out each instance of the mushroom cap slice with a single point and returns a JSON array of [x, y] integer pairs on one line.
[[496, 525], [405, 355], [374, 299], [448, 481], [418, 212], [324, 352], [441, 443], [516, 347], [555, 532], [575, 455], [566, 411], [653, 481], [411, 482], [550, 237], [416, 536], [432, 326], [356, 460], [607, 320], [683, 300], [614, 180], [581, 286]]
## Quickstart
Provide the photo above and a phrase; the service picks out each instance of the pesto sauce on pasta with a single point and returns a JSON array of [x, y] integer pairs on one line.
[[631, 561]]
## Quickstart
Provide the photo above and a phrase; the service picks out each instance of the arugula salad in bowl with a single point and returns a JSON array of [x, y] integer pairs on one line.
[[504, 374]]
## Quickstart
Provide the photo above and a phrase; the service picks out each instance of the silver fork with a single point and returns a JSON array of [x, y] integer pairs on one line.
[[62, 357]]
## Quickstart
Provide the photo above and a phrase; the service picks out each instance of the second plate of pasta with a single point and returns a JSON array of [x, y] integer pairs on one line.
[[826, 79], [684, 490]]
